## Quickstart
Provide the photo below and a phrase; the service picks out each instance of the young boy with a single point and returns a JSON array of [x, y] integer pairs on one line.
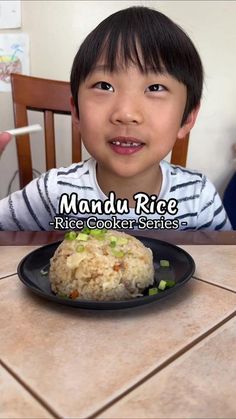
[[136, 85]]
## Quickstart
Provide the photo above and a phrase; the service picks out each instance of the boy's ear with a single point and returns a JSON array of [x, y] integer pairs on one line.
[[189, 123], [75, 118]]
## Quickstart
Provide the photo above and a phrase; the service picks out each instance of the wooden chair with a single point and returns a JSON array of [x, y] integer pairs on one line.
[[180, 151], [53, 97], [50, 97]]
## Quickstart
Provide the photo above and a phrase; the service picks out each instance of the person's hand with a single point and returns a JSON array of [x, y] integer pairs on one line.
[[5, 137]]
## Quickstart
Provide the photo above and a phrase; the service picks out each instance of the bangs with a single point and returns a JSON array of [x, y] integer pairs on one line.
[[120, 49], [149, 40]]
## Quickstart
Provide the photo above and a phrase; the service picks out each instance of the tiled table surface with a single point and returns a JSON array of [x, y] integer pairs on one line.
[[174, 358], [16, 401], [10, 257], [215, 264]]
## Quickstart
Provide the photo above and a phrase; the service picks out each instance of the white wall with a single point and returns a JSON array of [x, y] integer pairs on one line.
[[56, 29]]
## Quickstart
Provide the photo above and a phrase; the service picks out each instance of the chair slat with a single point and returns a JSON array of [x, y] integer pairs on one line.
[[23, 146], [49, 135], [76, 144], [50, 97], [180, 151]]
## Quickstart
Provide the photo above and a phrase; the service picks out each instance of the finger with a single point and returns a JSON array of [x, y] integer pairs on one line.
[[5, 137]]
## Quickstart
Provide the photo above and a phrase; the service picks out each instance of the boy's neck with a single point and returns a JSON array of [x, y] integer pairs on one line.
[[149, 183]]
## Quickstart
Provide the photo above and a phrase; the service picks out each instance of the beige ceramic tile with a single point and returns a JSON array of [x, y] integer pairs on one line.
[[16, 402], [216, 264], [79, 360], [10, 257], [199, 384]]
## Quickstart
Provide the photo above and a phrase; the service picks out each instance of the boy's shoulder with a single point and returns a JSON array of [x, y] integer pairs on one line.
[[176, 171], [199, 204], [186, 185], [178, 178], [76, 177]]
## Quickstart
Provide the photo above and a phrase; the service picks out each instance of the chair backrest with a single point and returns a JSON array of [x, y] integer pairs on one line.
[[50, 97], [53, 97], [180, 151]]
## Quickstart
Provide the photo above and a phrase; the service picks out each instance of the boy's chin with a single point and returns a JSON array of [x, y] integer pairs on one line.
[[124, 172]]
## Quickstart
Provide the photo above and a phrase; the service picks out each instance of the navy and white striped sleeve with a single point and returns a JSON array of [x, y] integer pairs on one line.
[[31, 208], [211, 214]]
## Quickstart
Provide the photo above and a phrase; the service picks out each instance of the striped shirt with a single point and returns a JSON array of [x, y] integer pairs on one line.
[[35, 206]]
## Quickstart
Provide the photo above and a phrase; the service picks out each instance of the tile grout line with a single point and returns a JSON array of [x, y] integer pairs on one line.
[[174, 357], [9, 275], [164, 364], [214, 284], [29, 390]]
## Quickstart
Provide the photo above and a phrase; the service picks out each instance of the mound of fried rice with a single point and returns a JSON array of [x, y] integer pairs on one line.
[[109, 266]]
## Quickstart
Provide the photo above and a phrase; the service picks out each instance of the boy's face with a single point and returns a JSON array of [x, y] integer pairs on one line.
[[129, 121]]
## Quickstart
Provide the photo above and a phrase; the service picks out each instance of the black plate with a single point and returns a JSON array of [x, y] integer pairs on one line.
[[181, 270]]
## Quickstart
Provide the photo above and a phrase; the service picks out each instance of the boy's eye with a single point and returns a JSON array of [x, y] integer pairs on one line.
[[103, 85], [156, 88]]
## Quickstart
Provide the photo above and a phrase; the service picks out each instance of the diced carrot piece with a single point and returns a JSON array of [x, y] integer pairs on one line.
[[74, 294], [117, 267]]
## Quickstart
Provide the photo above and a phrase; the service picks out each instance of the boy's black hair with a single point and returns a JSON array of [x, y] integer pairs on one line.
[[147, 38]]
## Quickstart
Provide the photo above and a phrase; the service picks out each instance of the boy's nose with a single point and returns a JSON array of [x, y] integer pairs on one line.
[[127, 113]]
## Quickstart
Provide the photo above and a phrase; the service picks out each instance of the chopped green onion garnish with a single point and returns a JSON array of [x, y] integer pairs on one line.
[[99, 234], [112, 244], [45, 270], [62, 296], [80, 248], [162, 285], [113, 241], [86, 230], [164, 263], [70, 235], [170, 283], [152, 291], [118, 253], [96, 232], [82, 237]]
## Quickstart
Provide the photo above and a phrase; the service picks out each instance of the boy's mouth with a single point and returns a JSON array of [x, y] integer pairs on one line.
[[125, 145]]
